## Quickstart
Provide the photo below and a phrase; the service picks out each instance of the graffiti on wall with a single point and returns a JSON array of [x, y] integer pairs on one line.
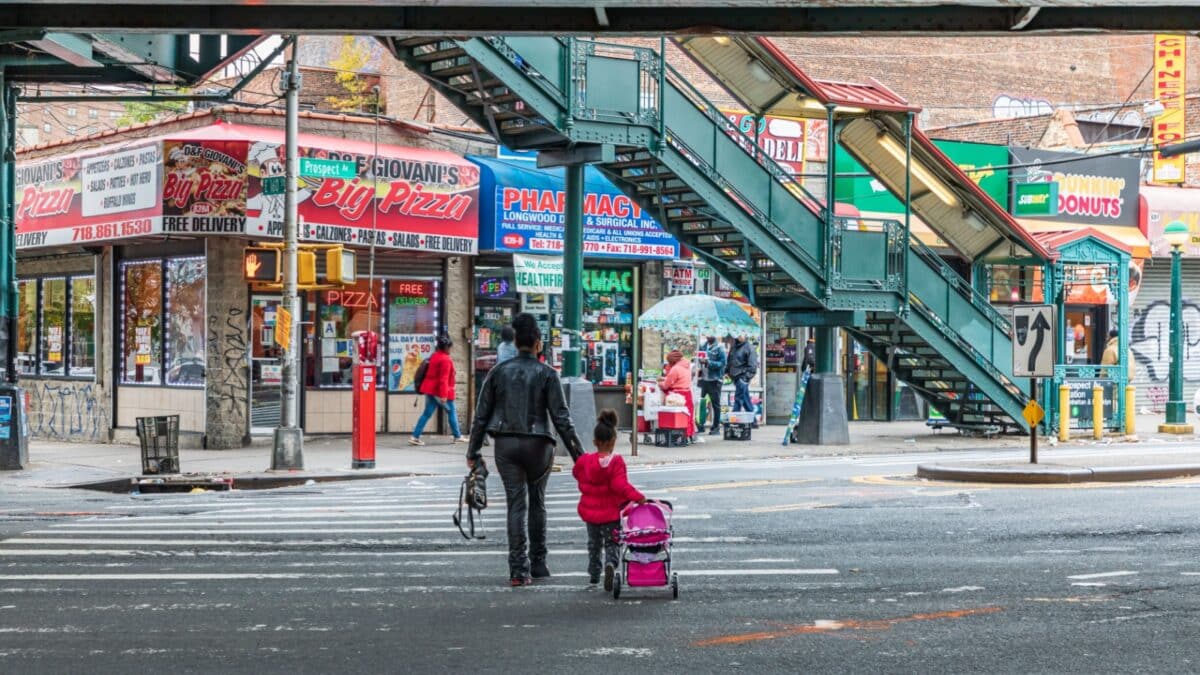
[[1151, 340], [228, 379], [1006, 107], [68, 411]]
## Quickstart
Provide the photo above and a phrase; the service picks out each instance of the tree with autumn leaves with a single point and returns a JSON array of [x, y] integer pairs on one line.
[[361, 95]]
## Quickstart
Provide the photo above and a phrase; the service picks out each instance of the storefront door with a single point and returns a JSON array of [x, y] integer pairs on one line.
[[266, 365]]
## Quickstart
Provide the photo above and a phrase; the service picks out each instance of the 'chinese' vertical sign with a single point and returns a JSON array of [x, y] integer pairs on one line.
[[1170, 83]]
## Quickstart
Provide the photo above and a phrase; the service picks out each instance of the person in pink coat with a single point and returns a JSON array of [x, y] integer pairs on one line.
[[678, 380], [604, 488]]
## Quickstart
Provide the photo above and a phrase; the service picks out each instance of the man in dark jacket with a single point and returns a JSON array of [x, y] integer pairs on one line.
[[711, 377], [743, 364], [518, 402]]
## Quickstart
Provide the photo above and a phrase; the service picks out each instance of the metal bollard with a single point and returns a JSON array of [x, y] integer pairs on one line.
[[1064, 413], [1130, 410], [1097, 412]]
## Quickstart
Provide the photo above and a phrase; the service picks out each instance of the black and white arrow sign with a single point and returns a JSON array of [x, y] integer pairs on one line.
[[1033, 341]]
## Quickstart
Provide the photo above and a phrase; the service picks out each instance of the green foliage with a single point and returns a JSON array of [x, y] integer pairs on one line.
[[350, 61], [137, 112]]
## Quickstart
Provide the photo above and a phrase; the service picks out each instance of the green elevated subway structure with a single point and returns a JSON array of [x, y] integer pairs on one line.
[[33, 57], [672, 150]]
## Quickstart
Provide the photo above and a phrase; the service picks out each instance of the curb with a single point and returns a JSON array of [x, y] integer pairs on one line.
[[1112, 474], [251, 482]]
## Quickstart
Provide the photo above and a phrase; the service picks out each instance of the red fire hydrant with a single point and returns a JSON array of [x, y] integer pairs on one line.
[[362, 440]]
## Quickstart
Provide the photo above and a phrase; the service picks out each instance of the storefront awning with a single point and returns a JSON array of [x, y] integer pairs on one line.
[[1129, 238], [1161, 206], [521, 211]]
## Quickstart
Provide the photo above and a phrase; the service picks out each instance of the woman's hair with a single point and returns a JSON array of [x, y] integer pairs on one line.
[[606, 426], [444, 342], [526, 329], [507, 334], [674, 357]]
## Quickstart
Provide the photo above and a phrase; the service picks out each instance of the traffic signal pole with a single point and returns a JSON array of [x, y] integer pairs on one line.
[[288, 453]]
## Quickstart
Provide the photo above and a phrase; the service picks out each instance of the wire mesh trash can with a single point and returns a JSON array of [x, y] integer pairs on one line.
[[160, 443]]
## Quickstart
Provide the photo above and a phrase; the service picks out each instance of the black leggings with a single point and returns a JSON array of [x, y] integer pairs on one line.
[[524, 463]]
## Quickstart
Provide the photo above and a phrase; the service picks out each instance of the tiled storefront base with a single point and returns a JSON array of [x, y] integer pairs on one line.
[[331, 412], [134, 402]]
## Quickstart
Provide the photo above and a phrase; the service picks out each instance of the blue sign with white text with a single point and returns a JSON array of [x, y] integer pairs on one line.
[[521, 211]]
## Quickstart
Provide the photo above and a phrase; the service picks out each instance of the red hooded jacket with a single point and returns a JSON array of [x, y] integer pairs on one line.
[[439, 377], [604, 487]]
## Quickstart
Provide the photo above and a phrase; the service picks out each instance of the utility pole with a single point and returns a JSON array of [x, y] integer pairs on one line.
[[14, 448], [289, 439]]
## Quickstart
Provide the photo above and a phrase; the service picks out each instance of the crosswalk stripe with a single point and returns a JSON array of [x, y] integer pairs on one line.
[[288, 521], [234, 553], [289, 542], [211, 576]]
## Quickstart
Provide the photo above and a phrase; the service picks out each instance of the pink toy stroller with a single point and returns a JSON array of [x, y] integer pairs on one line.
[[645, 555]]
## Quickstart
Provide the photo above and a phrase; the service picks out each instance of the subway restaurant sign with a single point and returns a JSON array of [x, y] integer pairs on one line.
[[540, 274], [980, 161], [1035, 199]]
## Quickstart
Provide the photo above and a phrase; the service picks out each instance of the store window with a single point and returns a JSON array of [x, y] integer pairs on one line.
[[27, 308], [83, 326], [56, 328], [341, 313], [185, 326], [412, 326], [141, 314]]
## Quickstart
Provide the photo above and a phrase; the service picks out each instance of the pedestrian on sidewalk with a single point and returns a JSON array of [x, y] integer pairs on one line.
[[438, 387], [1112, 354], [712, 375], [743, 364], [506, 350], [678, 380], [518, 402], [604, 488]]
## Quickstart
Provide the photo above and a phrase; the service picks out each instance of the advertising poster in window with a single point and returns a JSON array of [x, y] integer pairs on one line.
[[406, 352], [780, 138], [100, 196], [204, 187]]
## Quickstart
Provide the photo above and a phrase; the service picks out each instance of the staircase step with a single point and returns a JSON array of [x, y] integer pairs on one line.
[[451, 52]]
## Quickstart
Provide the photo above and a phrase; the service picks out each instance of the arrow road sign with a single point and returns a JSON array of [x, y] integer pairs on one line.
[[1033, 341]]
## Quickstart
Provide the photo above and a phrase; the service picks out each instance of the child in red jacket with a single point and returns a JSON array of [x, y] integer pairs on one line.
[[605, 488]]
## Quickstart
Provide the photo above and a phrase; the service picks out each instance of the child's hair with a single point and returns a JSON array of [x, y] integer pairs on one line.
[[606, 426]]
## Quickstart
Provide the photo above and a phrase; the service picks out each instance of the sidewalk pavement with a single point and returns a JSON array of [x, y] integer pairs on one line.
[[56, 464]]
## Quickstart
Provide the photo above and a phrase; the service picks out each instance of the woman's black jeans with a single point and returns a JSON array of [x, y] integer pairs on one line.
[[524, 463]]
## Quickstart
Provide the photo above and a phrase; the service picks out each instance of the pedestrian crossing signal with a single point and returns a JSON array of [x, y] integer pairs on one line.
[[261, 265], [341, 266]]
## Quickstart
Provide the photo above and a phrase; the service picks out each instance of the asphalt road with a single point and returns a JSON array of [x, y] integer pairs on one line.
[[786, 566]]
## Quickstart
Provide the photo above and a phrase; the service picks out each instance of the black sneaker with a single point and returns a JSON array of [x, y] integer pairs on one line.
[[609, 571], [594, 579], [715, 432], [540, 571]]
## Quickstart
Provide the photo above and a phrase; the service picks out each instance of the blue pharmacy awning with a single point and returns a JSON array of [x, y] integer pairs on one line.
[[521, 211]]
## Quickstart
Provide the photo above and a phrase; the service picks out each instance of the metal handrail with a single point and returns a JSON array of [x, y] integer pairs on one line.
[[965, 289]]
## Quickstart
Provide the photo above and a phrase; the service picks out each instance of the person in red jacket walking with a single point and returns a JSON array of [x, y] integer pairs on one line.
[[438, 387], [604, 488]]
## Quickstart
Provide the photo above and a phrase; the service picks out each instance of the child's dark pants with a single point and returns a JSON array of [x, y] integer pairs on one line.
[[601, 536]]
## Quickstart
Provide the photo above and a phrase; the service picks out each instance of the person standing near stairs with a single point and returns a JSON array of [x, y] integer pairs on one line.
[[743, 364]]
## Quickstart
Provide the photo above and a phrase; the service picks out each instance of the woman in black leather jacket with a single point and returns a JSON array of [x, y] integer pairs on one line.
[[518, 402]]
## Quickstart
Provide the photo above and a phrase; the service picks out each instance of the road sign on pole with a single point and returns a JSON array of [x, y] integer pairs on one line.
[[315, 167], [1033, 341]]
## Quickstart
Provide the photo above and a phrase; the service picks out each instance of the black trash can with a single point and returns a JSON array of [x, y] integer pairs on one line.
[[160, 443]]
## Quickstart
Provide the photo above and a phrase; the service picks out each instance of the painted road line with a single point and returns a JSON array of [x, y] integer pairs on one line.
[[66, 541], [286, 521], [786, 507], [237, 553], [223, 576], [239, 531], [1102, 575], [742, 484], [750, 572]]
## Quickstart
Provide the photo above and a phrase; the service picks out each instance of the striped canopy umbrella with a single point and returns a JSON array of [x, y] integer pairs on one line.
[[698, 315]]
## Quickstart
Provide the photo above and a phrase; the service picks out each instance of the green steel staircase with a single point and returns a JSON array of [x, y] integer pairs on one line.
[[708, 184]]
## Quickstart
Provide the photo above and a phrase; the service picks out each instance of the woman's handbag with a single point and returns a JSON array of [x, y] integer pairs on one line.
[[472, 496]]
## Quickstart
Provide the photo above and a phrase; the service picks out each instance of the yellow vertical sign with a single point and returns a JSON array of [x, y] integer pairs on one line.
[[1170, 83], [283, 328]]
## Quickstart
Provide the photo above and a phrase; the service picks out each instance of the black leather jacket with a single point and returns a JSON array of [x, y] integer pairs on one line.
[[522, 397]]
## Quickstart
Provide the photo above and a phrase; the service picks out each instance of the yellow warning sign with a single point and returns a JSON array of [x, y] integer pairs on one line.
[[283, 328], [1033, 413]]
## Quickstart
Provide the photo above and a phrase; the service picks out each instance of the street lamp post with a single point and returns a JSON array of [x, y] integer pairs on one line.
[[1176, 234]]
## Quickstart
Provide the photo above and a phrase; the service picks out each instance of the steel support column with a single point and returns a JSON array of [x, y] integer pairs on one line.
[[1176, 406], [14, 443], [573, 273], [288, 452]]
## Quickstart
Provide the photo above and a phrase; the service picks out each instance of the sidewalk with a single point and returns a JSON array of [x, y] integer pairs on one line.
[[328, 457]]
